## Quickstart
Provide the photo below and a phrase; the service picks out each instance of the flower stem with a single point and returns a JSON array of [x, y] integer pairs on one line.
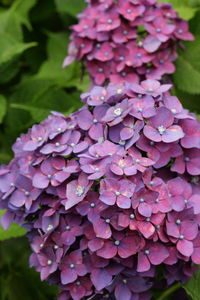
[[170, 291]]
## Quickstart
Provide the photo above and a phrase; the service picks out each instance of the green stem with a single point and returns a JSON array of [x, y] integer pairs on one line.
[[170, 291]]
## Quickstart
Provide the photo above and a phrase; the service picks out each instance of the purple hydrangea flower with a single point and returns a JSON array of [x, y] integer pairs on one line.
[[102, 200], [127, 36]]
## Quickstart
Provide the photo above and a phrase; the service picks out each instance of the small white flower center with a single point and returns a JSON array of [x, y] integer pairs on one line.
[[118, 111], [161, 129], [79, 191], [50, 227]]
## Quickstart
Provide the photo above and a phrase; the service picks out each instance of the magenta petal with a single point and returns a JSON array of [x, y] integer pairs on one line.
[[122, 292], [108, 198], [40, 181], [172, 134], [102, 229], [157, 254], [151, 43], [185, 247], [108, 251], [196, 256], [123, 202], [100, 278], [143, 263], [152, 133], [145, 210], [68, 276]]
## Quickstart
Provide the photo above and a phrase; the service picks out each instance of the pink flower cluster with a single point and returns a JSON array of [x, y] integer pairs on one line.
[[110, 192], [127, 40]]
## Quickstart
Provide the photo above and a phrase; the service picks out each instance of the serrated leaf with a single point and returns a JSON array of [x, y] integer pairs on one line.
[[14, 17], [9, 69], [187, 75], [70, 7], [52, 68], [193, 287], [40, 96], [10, 47], [13, 231], [3, 106]]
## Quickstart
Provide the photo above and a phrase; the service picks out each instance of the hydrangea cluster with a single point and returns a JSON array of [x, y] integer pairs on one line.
[[110, 192], [127, 40]]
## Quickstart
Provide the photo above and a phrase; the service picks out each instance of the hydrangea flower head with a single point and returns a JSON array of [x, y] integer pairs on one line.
[[125, 40], [110, 192]]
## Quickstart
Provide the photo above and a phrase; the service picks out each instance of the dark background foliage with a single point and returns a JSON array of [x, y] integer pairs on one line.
[[33, 43]]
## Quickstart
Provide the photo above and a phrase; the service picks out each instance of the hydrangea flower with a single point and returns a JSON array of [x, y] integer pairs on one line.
[[119, 40], [110, 192]]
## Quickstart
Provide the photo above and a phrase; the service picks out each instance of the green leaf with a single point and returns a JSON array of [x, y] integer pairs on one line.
[[3, 106], [13, 231], [193, 286], [70, 7], [40, 96], [10, 47], [52, 68], [14, 17], [9, 69], [187, 75], [183, 7], [188, 101]]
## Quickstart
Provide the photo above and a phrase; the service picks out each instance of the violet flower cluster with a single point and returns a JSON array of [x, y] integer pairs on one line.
[[109, 193], [127, 40]]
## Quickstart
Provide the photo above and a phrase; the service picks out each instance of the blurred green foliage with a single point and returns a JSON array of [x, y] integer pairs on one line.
[[33, 43]]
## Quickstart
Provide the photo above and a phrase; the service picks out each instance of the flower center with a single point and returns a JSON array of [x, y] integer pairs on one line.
[[57, 144], [78, 283], [129, 11], [180, 31], [158, 30], [132, 216], [117, 243], [49, 262], [92, 204], [100, 70], [146, 252], [26, 193], [82, 45], [123, 74], [40, 139], [173, 110], [59, 129], [50, 227], [124, 281], [68, 227], [121, 163], [118, 111], [109, 21], [125, 32], [49, 176], [72, 266], [117, 193], [95, 121], [186, 159], [121, 58], [142, 200], [137, 161], [178, 221], [139, 55], [150, 90], [107, 221], [79, 191], [161, 129], [181, 237]]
